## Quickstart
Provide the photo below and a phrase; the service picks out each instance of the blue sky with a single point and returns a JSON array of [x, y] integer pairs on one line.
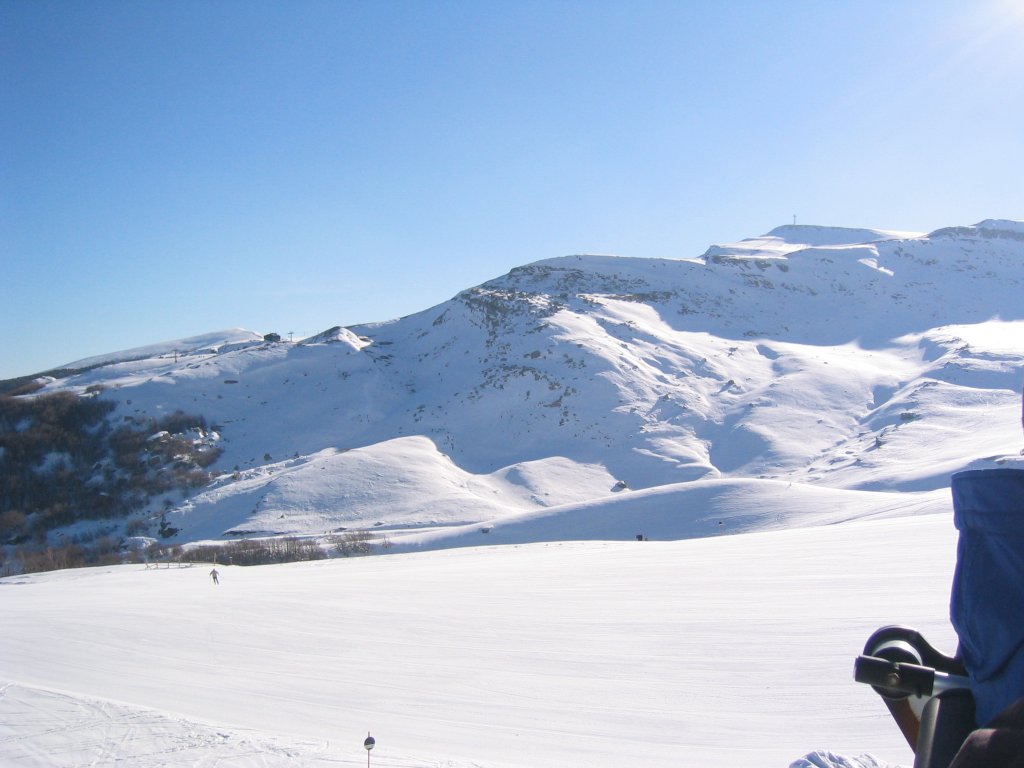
[[173, 168]]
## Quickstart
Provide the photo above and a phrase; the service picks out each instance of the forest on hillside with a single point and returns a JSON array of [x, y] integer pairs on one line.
[[64, 459]]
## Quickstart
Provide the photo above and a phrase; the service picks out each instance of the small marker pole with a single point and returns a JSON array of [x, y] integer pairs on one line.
[[368, 744]]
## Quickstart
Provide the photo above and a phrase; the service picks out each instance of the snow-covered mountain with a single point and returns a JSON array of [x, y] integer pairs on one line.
[[810, 375]]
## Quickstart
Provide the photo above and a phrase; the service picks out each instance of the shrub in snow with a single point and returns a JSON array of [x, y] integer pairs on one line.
[[358, 543], [258, 551]]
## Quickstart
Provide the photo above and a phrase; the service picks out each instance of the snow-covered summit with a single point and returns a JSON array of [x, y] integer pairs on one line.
[[207, 342], [334, 335], [989, 228], [810, 234], [790, 238]]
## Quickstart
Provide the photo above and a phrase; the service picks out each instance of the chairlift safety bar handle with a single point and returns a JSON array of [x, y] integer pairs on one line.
[[903, 678]]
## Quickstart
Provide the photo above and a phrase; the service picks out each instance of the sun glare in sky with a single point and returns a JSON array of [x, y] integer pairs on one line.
[[994, 38]]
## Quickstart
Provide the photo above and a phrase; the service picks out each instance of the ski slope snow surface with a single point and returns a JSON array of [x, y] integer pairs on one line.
[[722, 651]]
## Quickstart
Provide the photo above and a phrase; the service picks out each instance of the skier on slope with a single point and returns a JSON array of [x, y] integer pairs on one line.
[[215, 576]]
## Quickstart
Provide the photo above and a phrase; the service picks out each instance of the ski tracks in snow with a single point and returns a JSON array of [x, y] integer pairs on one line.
[[43, 728]]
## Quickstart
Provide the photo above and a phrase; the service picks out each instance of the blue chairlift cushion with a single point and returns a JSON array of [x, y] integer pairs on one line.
[[987, 598]]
